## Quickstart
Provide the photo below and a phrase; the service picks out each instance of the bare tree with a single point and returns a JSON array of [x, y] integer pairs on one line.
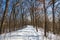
[[4, 14], [53, 1], [45, 17]]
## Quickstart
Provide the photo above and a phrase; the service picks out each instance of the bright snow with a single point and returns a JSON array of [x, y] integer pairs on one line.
[[29, 33]]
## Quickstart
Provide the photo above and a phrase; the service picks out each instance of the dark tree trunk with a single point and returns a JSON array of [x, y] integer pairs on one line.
[[4, 14], [53, 15], [45, 18]]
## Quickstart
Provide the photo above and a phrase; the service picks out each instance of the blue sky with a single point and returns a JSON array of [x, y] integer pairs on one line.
[[26, 4]]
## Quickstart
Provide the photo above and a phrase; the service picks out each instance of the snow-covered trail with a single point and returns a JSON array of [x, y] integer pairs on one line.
[[29, 33]]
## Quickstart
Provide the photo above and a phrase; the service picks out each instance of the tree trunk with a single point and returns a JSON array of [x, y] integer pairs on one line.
[[4, 14], [53, 15], [45, 18]]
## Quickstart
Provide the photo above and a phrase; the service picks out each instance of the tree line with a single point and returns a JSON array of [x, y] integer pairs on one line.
[[27, 12]]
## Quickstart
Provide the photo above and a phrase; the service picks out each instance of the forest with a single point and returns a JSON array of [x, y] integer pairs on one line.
[[16, 14]]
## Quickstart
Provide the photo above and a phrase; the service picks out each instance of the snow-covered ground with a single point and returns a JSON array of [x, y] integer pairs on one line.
[[29, 33]]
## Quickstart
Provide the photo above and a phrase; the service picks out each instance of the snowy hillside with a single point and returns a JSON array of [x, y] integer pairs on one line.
[[29, 33]]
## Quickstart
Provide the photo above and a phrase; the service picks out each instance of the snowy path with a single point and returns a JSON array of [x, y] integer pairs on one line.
[[29, 33]]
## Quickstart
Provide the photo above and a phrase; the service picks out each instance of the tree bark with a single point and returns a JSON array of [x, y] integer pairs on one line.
[[53, 15], [45, 17], [4, 14]]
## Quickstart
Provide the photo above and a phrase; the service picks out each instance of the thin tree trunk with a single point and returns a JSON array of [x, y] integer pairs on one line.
[[10, 22], [59, 22], [45, 18], [14, 17], [53, 15]]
